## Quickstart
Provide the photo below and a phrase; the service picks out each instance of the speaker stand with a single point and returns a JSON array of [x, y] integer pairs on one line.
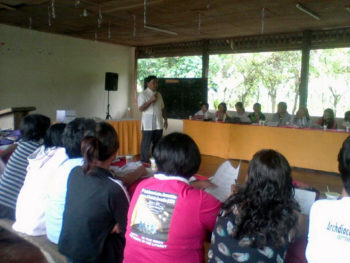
[[108, 116]]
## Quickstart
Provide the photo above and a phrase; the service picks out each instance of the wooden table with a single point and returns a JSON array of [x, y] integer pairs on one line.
[[304, 148], [129, 134]]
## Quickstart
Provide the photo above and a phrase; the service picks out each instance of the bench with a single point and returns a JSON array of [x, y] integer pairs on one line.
[[48, 249]]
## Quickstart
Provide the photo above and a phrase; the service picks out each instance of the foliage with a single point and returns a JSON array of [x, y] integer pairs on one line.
[[266, 77], [329, 80], [171, 67], [255, 77]]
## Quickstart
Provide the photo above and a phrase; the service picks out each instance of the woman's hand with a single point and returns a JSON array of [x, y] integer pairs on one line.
[[234, 188], [116, 229]]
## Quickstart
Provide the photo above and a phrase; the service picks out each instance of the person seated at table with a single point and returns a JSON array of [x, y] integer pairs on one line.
[[282, 117], [302, 118], [257, 115], [346, 122], [240, 114], [94, 218], [329, 223], [30, 208], [168, 219], [33, 129], [203, 114], [327, 119], [257, 222], [221, 114]]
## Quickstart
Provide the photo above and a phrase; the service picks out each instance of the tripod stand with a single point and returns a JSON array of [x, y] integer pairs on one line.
[[108, 116]]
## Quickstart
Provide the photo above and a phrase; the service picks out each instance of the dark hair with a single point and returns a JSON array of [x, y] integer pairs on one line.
[[346, 116], [257, 104], [223, 104], [240, 105], [344, 164], [331, 121], [148, 79], [99, 147], [74, 133], [264, 206], [307, 116], [34, 126], [282, 104], [177, 154], [54, 134], [205, 104]]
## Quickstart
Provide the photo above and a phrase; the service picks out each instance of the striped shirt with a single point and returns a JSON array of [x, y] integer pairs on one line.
[[12, 179]]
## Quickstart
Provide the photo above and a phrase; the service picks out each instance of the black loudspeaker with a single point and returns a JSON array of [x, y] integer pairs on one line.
[[111, 82]]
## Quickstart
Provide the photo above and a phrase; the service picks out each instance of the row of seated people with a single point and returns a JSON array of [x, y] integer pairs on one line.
[[281, 118], [68, 193]]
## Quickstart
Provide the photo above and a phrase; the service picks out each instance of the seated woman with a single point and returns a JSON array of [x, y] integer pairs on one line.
[[30, 208], [328, 119], [221, 115], [203, 114], [168, 219], [346, 122], [302, 118], [240, 115], [281, 117], [329, 225], [94, 218], [73, 134], [257, 223], [257, 115], [33, 130]]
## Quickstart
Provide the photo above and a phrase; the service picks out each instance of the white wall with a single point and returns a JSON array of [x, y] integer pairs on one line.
[[53, 72]]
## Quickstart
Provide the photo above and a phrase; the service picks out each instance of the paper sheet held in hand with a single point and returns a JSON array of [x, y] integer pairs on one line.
[[305, 199], [225, 176]]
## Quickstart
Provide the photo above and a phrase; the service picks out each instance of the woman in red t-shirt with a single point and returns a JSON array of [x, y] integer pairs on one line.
[[168, 219]]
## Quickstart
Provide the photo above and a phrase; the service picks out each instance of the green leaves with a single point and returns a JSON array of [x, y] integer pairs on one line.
[[253, 77], [267, 77], [169, 67]]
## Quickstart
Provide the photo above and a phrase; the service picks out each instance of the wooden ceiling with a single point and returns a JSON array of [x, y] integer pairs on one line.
[[122, 21]]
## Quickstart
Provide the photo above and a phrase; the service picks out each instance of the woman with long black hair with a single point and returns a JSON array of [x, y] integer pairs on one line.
[[328, 119], [258, 222]]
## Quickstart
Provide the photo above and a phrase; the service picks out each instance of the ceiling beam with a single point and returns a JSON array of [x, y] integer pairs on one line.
[[121, 8], [7, 7]]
